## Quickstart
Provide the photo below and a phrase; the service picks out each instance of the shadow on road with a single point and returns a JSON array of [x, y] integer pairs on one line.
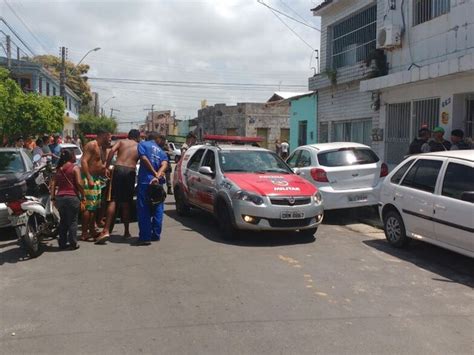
[[17, 254], [205, 224], [450, 266]]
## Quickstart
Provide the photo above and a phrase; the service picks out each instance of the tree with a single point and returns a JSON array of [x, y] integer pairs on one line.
[[90, 124], [74, 75], [27, 114]]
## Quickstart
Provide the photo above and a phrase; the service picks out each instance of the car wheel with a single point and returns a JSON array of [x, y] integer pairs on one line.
[[395, 229], [224, 219], [308, 233], [182, 208]]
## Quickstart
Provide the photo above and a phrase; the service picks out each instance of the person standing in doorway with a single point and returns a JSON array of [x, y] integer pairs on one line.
[[153, 164], [123, 181], [420, 143], [438, 143], [93, 173], [285, 147], [66, 193]]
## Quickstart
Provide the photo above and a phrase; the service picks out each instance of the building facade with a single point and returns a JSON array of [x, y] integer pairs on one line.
[[429, 48], [348, 40], [162, 122], [33, 77], [270, 121], [303, 120]]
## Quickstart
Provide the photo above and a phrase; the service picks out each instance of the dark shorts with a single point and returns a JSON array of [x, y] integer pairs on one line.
[[123, 184]]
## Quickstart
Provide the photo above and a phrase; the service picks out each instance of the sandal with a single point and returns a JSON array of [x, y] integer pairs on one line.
[[87, 238], [102, 239]]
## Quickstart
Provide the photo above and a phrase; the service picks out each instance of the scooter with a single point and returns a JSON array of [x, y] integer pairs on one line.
[[34, 216]]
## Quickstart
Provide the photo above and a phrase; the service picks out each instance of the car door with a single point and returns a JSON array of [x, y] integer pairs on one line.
[[206, 184], [191, 175], [415, 197], [453, 217]]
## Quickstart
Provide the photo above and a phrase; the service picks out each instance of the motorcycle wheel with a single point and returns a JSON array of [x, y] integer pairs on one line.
[[30, 240]]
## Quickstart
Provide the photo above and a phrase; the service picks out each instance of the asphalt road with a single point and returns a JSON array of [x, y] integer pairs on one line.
[[346, 291]]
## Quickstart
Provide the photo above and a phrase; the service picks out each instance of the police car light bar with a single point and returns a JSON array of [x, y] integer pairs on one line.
[[232, 139]]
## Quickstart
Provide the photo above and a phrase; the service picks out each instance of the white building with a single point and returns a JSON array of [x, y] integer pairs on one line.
[[348, 38], [429, 45]]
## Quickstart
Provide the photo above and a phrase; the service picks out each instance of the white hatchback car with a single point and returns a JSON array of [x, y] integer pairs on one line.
[[430, 197], [346, 174]]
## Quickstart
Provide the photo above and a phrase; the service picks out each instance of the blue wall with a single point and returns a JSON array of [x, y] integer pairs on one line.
[[303, 109]]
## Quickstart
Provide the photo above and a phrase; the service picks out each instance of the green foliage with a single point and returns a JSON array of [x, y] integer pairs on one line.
[[90, 124], [27, 114], [74, 78]]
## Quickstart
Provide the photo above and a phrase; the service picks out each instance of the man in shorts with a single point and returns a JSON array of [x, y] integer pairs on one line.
[[93, 166], [123, 182]]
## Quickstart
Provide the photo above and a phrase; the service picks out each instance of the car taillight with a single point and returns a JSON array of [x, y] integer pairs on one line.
[[319, 175], [383, 170], [15, 207]]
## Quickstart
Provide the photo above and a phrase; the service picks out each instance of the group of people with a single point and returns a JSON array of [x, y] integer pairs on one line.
[[96, 182], [433, 141]]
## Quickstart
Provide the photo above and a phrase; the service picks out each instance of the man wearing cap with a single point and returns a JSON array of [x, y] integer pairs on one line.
[[420, 142], [438, 143], [458, 141], [153, 164]]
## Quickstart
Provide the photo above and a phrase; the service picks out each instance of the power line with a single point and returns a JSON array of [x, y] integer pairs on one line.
[[291, 9], [25, 25], [286, 15], [17, 36]]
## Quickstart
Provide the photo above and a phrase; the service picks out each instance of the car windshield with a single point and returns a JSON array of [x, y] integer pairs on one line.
[[251, 162], [347, 157], [11, 162]]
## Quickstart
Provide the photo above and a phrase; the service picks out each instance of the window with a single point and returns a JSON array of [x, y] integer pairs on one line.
[[195, 160], [354, 38], [323, 132], [304, 159], [263, 133], [47, 89], [70, 104], [423, 175], [347, 157], [425, 10], [293, 159], [40, 85], [284, 134], [11, 162], [425, 113], [251, 161], [397, 177], [457, 180], [54, 91], [302, 132], [353, 131], [210, 160]]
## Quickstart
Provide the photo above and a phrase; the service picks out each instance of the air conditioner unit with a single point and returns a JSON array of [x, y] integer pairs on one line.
[[389, 37]]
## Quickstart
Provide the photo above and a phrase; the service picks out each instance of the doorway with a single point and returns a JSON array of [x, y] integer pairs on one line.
[[263, 133], [302, 133]]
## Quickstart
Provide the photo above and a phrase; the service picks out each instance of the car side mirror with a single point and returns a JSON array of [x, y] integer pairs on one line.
[[296, 171], [206, 170], [36, 158], [468, 196]]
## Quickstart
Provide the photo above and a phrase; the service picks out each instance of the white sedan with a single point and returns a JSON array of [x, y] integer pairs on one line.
[[347, 174], [430, 197]]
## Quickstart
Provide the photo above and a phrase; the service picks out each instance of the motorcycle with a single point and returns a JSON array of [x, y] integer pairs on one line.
[[33, 214]]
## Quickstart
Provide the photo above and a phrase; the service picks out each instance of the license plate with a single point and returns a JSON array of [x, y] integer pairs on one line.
[[292, 215], [355, 198], [18, 220]]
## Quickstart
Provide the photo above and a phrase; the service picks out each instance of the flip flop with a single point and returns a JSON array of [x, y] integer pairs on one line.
[[88, 239], [102, 239]]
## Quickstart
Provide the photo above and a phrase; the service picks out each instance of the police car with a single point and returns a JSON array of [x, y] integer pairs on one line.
[[246, 188]]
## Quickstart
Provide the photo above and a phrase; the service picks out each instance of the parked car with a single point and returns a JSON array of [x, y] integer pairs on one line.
[[430, 197], [13, 161], [346, 174], [74, 148], [176, 151], [246, 188]]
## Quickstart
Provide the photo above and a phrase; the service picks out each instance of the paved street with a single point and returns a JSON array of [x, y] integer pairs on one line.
[[345, 292]]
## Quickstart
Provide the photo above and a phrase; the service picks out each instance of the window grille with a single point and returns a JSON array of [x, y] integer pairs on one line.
[[425, 113], [425, 10], [354, 38], [398, 132]]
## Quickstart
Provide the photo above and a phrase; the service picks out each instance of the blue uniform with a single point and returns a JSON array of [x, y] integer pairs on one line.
[[150, 219]]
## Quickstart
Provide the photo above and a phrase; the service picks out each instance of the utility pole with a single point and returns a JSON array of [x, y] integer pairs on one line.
[[62, 75], [9, 52], [151, 110], [112, 110]]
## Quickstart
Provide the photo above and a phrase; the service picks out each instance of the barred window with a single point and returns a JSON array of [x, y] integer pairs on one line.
[[425, 10], [354, 38]]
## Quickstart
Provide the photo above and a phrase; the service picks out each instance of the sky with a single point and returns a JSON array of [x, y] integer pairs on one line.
[[176, 42]]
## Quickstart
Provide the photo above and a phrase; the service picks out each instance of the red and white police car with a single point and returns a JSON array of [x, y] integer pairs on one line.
[[246, 188]]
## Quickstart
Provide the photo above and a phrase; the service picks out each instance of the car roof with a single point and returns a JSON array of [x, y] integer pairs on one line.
[[232, 147], [68, 145], [460, 154], [334, 145]]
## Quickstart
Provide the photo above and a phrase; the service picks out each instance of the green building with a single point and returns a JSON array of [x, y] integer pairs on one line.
[[303, 120]]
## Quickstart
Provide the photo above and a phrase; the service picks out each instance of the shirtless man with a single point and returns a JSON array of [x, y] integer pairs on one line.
[[93, 166], [123, 181]]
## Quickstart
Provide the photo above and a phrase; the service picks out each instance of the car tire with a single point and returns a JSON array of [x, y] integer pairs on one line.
[[224, 220], [308, 233], [394, 229], [182, 208]]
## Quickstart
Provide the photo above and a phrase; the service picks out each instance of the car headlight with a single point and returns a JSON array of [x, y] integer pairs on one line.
[[317, 198], [247, 196]]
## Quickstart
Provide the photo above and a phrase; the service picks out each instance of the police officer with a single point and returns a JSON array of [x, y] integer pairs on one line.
[[153, 164]]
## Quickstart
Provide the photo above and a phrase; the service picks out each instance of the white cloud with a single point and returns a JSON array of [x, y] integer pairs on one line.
[[216, 41]]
